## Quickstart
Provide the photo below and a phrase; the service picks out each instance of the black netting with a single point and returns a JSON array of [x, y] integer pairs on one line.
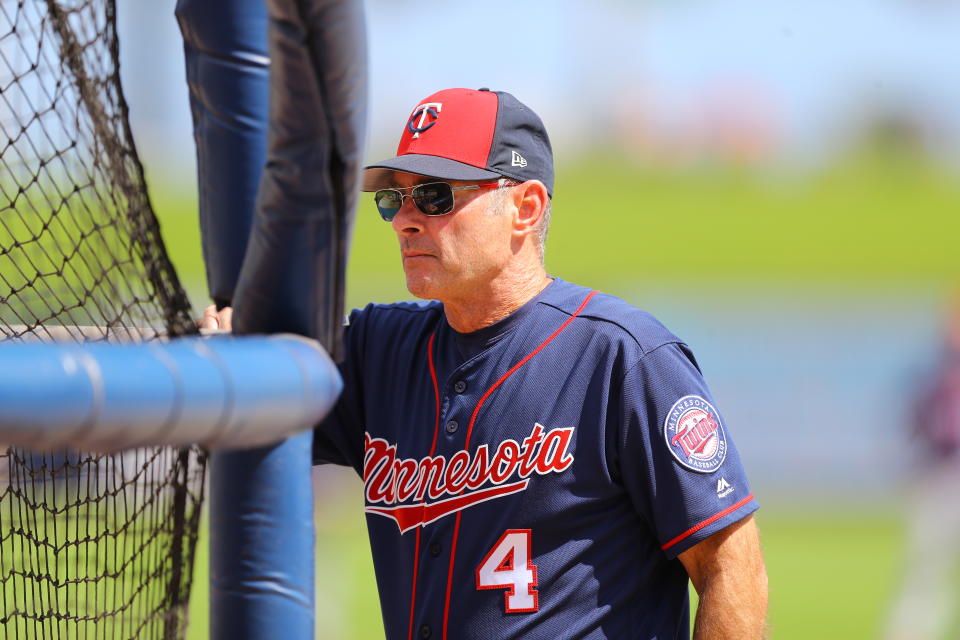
[[97, 546], [91, 546]]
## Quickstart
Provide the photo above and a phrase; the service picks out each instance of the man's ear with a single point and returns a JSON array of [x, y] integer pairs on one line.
[[530, 201]]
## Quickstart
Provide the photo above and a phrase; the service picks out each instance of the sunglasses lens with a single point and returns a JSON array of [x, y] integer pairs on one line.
[[433, 199], [388, 203]]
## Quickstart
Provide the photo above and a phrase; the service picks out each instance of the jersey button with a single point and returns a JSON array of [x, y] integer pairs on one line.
[[452, 426], [425, 631], [435, 549], [460, 386]]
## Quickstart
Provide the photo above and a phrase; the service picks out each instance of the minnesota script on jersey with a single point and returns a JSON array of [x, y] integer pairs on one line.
[[536, 478]]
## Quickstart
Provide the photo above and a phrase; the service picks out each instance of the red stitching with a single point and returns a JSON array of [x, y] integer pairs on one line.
[[436, 428], [692, 530], [509, 373], [413, 588], [436, 393], [466, 445]]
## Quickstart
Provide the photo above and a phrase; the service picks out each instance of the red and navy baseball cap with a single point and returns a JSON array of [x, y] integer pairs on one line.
[[467, 134]]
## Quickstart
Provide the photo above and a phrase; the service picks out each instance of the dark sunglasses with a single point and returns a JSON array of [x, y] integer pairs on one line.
[[431, 199]]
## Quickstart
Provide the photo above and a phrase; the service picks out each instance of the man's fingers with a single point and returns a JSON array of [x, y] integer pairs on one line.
[[226, 318], [213, 319], [209, 319]]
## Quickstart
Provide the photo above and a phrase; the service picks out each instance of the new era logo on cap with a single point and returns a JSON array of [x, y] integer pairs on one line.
[[464, 134]]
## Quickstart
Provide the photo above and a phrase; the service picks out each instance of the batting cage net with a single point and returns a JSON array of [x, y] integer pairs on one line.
[[91, 546]]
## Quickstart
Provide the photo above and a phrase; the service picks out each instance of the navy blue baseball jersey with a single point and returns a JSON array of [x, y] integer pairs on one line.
[[536, 478]]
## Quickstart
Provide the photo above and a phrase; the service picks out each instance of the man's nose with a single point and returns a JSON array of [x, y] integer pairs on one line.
[[408, 219]]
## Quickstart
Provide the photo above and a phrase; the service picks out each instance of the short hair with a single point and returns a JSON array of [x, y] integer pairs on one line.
[[543, 226]]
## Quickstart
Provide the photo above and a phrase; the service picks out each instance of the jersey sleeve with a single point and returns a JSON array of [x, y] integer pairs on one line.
[[338, 439], [676, 456]]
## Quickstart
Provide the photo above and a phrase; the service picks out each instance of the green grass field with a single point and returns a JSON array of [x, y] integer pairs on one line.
[[874, 221], [831, 573]]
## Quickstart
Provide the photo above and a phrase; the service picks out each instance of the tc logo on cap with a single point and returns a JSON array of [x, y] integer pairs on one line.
[[424, 110]]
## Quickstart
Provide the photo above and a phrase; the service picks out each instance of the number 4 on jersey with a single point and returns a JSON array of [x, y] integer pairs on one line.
[[507, 566]]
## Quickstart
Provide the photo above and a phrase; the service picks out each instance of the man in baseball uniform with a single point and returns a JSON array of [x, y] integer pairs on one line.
[[540, 460]]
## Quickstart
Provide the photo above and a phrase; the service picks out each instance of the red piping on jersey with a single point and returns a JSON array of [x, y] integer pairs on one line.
[[466, 445], [433, 446], [436, 393], [692, 530]]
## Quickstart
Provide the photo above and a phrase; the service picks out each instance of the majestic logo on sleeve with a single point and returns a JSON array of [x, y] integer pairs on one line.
[[694, 434], [431, 109], [415, 492]]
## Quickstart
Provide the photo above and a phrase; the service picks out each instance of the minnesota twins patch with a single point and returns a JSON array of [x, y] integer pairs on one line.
[[694, 434]]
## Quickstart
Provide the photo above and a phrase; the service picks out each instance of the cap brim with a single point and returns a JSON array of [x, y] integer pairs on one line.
[[379, 175]]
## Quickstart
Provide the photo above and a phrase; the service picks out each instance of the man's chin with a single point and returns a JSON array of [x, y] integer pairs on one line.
[[421, 287]]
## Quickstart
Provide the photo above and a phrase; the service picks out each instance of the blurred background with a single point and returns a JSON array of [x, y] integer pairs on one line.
[[779, 183]]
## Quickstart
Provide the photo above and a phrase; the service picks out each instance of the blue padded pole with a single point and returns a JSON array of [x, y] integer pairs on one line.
[[261, 547], [225, 49], [218, 392], [261, 537], [292, 280]]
